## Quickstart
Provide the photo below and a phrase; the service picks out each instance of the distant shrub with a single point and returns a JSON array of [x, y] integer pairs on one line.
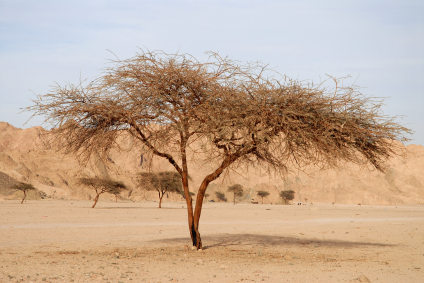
[[103, 186], [221, 196], [287, 196], [237, 191], [24, 187], [262, 194], [162, 182]]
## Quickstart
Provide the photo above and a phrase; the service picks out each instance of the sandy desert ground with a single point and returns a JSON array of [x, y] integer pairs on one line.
[[67, 241]]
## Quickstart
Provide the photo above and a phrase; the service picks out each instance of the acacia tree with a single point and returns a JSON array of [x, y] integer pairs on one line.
[[116, 193], [24, 187], [240, 114], [162, 182], [103, 186], [237, 191], [220, 196], [287, 196], [262, 194]]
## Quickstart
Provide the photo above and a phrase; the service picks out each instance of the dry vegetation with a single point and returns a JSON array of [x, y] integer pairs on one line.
[[162, 182], [287, 196], [102, 186], [236, 190], [23, 187], [262, 194], [241, 114]]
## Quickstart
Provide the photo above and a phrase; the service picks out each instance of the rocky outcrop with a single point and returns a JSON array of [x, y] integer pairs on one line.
[[27, 155]]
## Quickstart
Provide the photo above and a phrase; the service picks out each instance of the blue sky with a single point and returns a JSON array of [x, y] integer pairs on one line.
[[379, 43]]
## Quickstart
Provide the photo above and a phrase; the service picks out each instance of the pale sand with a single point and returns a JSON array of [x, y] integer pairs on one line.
[[67, 241]]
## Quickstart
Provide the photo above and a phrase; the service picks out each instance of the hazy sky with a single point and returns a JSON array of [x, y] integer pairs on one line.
[[379, 43]]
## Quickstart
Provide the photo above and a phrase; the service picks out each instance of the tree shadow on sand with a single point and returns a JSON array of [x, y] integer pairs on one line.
[[240, 240]]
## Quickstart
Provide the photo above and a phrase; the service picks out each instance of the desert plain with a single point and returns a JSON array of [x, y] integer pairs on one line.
[[125, 241], [55, 235]]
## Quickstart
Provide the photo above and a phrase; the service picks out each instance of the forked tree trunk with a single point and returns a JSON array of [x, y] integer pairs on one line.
[[193, 218], [23, 198], [197, 241]]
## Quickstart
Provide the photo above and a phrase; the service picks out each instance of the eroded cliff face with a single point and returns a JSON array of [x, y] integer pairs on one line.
[[28, 155]]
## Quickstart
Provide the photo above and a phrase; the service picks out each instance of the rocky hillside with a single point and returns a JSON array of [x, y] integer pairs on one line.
[[27, 155]]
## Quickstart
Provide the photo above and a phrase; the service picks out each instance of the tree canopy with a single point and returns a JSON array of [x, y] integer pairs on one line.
[[103, 186], [287, 195], [220, 196], [262, 194], [24, 187], [162, 182], [241, 114], [237, 191]]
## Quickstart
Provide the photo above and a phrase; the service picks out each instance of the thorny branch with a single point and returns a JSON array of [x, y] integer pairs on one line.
[[238, 114]]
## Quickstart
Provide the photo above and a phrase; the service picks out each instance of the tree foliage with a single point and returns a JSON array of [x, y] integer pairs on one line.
[[162, 182], [220, 196], [236, 190], [262, 194], [287, 196], [103, 186], [24, 187], [241, 115]]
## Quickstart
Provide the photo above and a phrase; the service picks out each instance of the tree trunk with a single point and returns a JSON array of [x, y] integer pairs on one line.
[[197, 241], [189, 201], [95, 200], [234, 199], [116, 198], [160, 200], [193, 218], [262, 200], [23, 198]]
